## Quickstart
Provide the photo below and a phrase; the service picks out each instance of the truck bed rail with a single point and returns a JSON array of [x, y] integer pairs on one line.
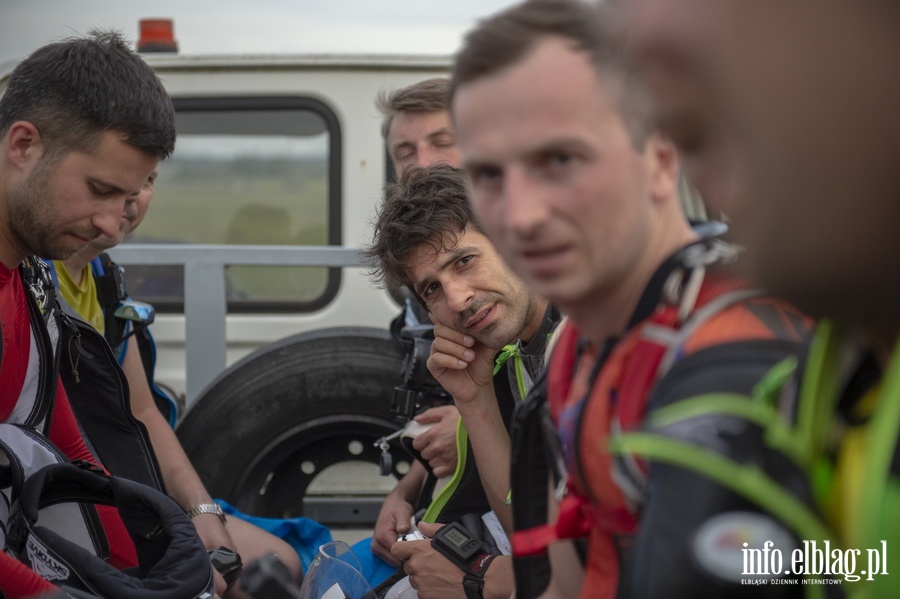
[[204, 290]]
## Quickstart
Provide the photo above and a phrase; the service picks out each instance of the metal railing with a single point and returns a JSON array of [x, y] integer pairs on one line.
[[204, 290]]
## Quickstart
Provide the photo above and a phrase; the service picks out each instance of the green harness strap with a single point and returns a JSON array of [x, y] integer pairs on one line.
[[883, 520], [512, 351], [462, 450], [778, 433], [508, 352], [818, 399], [819, 395], [747, 481], [805, 443]]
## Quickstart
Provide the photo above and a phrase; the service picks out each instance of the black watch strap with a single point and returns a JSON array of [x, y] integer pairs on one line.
[[473, 581], [473, 586]]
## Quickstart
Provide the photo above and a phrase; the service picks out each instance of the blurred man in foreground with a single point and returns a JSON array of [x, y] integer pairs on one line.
[[579, 194], [786, 112]]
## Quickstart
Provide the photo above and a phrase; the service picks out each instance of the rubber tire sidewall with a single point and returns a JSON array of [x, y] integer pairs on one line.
[[339, 374]]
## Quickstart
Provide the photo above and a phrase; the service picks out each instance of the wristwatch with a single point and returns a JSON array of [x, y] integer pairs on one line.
[[227, 562], [207, 508], [466, 551]]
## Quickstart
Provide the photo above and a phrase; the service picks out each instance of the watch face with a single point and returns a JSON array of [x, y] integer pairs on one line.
[[455, 536], [455, 542]]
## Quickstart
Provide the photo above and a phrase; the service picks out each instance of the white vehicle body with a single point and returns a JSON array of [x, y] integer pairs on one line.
[[348, 85]]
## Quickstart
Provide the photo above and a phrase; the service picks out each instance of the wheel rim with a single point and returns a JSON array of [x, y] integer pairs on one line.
[[275, 483]]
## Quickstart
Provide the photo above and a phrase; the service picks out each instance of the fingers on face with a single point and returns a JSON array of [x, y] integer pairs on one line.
[[442, 331], [440, 361], [452, 348]]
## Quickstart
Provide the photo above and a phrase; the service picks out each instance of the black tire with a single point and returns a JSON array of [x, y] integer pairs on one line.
[[267, 426]]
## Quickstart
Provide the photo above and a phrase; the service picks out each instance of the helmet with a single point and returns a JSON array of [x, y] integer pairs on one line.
[[171, 559]]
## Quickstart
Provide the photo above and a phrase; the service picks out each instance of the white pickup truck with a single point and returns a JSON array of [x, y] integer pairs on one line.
[[266, 325]]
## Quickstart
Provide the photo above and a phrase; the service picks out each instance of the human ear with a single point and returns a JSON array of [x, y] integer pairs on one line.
[[24, 146], [664, 165]]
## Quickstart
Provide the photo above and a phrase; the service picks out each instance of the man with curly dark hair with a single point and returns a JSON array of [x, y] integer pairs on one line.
[[426, 239]]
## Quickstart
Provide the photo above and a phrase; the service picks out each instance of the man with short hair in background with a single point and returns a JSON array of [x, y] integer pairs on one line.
[[416, 127], [417, 133]]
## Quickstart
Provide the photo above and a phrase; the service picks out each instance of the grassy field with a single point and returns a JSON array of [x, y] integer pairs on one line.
[[245, 201]]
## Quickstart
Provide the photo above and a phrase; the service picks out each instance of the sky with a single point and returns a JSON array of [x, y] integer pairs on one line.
[[254, 26]]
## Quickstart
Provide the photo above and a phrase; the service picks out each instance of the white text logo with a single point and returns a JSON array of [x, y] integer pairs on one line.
[[814, 560]]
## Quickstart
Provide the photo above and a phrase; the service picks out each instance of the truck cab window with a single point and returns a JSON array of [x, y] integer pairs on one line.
[[247, 171]]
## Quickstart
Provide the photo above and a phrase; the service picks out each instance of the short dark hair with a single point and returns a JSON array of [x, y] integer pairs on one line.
[[505, 38], [428, 205], [77, 88], [430, 95]]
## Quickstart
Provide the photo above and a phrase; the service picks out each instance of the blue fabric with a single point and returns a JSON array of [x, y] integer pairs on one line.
[[306, 536], [303, 534], [375, 569]]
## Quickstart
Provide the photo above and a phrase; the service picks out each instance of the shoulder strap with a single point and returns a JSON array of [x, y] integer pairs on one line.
[[562, 366], [98, 393], [35, 404], [659, 342], [530, 464], [111, 291], [165, 401], [110, 280], [53, 275]]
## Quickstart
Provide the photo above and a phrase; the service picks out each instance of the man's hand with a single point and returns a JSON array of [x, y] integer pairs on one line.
[[465, 369], [214, 534], [393, 520], [430, 573], [462, 366], [435, 577], [437, 445]]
